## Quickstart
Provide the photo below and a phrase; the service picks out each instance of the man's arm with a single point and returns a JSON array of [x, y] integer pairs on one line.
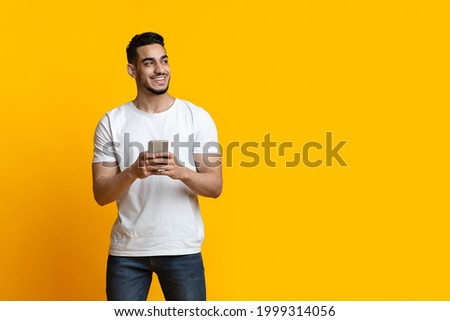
[[109, 182], [206, 181]]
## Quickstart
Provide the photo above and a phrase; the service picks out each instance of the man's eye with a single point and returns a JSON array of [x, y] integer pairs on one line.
[[165, 61], [148, 63]]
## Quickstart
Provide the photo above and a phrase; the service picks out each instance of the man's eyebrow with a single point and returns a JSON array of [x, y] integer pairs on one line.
[[153, 58]]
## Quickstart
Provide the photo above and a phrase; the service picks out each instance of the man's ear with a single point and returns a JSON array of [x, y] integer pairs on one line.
[[131, 71]]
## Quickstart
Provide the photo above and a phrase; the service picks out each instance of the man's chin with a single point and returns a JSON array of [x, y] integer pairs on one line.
[[157, 91]]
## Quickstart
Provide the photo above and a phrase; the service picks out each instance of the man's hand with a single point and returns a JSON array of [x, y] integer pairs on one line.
[[166, 164], [110, 182], [146, 165], [206, 180]]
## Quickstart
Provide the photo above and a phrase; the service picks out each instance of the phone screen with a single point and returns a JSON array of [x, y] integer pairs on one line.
[[158, 146]]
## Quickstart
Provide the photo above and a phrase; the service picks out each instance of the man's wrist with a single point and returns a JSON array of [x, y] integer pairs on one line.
[[130, 173], [186, 174]]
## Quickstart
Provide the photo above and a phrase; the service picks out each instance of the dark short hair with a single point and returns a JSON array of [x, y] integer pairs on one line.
[[143, 39]]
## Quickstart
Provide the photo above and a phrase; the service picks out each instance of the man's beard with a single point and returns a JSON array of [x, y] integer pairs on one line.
[[157, 91]]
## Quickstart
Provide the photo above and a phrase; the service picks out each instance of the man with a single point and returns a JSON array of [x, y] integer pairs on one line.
[[159, 227]]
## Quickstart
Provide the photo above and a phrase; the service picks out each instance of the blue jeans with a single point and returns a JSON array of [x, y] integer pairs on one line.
[[182, 277]]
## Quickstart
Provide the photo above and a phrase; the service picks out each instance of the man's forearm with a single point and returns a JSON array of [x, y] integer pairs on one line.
[[208, 184], [109, 189]]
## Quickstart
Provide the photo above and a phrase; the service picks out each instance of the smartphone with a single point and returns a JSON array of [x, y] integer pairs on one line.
[[158, 146]]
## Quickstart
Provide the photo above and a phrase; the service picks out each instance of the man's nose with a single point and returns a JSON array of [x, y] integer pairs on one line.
[[159, 68]]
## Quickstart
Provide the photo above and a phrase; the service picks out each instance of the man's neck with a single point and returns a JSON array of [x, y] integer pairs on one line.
[[153, 104]]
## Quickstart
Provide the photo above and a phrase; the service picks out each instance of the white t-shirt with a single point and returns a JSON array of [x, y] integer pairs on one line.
[[157, 215]]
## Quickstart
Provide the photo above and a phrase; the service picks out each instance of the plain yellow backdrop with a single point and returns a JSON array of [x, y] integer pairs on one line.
[[374, 73]]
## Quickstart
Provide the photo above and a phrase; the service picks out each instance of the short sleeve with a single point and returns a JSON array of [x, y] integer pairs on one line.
[[104, 149], [206, 141]]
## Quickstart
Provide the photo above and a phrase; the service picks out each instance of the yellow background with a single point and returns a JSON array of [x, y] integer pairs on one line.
[[375, 73]]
